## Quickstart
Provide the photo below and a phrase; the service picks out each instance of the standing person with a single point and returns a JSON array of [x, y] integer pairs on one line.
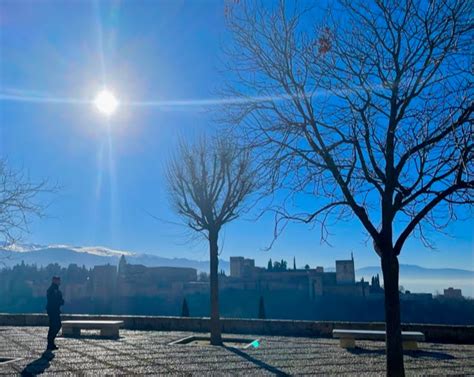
[[54, 302]]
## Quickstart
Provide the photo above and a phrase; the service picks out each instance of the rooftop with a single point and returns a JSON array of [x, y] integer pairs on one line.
[[149, 352]]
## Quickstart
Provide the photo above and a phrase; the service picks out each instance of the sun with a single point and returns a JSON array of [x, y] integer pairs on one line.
[[106, 102]]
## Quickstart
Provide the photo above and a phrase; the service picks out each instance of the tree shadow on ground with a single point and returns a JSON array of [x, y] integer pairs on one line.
[[39, 365], [364, 351], [91, 336], [414, 353], [257, 362], [430, 354]]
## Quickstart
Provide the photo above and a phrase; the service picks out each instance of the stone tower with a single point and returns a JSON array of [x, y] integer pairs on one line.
[[345, 273]]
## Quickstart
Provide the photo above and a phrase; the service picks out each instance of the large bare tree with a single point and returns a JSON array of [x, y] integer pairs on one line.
[[208, 182], [365, 107], [19, 201]]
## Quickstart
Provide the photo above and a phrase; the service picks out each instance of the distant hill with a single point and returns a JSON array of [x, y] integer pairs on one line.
[[431, 280], [413, 278], [417, 272], [91, 256]]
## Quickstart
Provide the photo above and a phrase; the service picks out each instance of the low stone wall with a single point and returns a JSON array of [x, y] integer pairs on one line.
[[433, 333]]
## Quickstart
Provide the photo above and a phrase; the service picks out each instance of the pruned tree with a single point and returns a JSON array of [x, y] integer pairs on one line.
[[261, 309], [368, 111], [208, 183], [185, 308], [19, 202]]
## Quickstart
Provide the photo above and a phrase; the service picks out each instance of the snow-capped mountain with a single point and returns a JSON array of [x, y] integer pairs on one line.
[[20, 248], [90, 256], [96, 250]]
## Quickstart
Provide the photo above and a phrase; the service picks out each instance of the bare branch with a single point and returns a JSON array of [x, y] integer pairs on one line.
[[372, 107], [19, 201], [209, 181]]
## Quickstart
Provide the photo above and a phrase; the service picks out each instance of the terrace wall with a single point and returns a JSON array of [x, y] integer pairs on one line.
[[433, 333]]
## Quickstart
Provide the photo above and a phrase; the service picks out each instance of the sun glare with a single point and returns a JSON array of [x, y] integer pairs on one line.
[[106, 102]]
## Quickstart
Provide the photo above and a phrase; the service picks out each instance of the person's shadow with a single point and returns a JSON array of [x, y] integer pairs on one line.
[[39, 365]]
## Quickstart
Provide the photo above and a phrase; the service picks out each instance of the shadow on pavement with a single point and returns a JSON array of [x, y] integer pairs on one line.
[[430, 354], [90, 336], [415, 354], [257, 362], [39, 365], [365, 351]]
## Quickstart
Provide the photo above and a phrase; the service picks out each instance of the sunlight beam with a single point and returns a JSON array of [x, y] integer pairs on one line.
[[107, 103], [43, 99]]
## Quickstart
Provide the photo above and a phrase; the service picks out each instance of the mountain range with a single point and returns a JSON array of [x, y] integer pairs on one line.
[[431, 280], [91, 256], [414, 272], [412, 277]]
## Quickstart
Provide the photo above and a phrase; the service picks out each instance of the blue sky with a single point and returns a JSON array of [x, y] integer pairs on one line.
[[111, 173]]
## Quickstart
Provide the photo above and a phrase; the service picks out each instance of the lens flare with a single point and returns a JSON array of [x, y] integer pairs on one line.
[[106, 102]]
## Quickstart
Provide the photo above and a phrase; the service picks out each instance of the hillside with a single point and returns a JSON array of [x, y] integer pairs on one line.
[[422, 279], [412, 277], [91, 256]]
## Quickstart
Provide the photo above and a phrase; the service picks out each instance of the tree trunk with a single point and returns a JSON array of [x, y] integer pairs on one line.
[[216, 338], [393, 328]]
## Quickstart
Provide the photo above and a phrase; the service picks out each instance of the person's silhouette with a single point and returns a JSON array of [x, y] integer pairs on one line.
[[54, 302]]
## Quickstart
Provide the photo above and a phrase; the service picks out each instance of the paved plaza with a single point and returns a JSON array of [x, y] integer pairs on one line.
[[149, 352]]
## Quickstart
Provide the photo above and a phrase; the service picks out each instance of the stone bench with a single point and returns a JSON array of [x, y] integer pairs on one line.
[[347, 337], [109, 329]]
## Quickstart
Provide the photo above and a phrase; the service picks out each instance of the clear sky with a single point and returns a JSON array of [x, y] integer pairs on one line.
[[56, 55]]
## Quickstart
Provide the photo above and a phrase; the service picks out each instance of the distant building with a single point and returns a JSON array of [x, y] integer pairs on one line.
[[408, 296], [139, 280], [125, 280], [37, 290], [345, 273], [76, 291], [104, 279], [316, 282], [453, 293], [241, 267]]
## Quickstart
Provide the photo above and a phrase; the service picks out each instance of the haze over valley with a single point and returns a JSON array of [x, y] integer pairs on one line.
[[412, 277]]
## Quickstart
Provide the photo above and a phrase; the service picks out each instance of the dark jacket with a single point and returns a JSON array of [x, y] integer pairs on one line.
[[54, 299]]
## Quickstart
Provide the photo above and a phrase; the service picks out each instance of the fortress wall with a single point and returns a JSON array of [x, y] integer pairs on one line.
[[433, 333]]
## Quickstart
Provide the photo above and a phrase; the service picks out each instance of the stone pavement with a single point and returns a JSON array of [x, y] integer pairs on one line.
[[148, 352]]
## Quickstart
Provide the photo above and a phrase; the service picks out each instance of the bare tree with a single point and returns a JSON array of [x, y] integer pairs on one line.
[[368, 111], [18, 202], [208, 183]]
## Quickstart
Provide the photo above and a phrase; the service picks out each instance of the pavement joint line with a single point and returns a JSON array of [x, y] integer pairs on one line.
[[89, 356], [141, 359], [23, 346], [154, 355]]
